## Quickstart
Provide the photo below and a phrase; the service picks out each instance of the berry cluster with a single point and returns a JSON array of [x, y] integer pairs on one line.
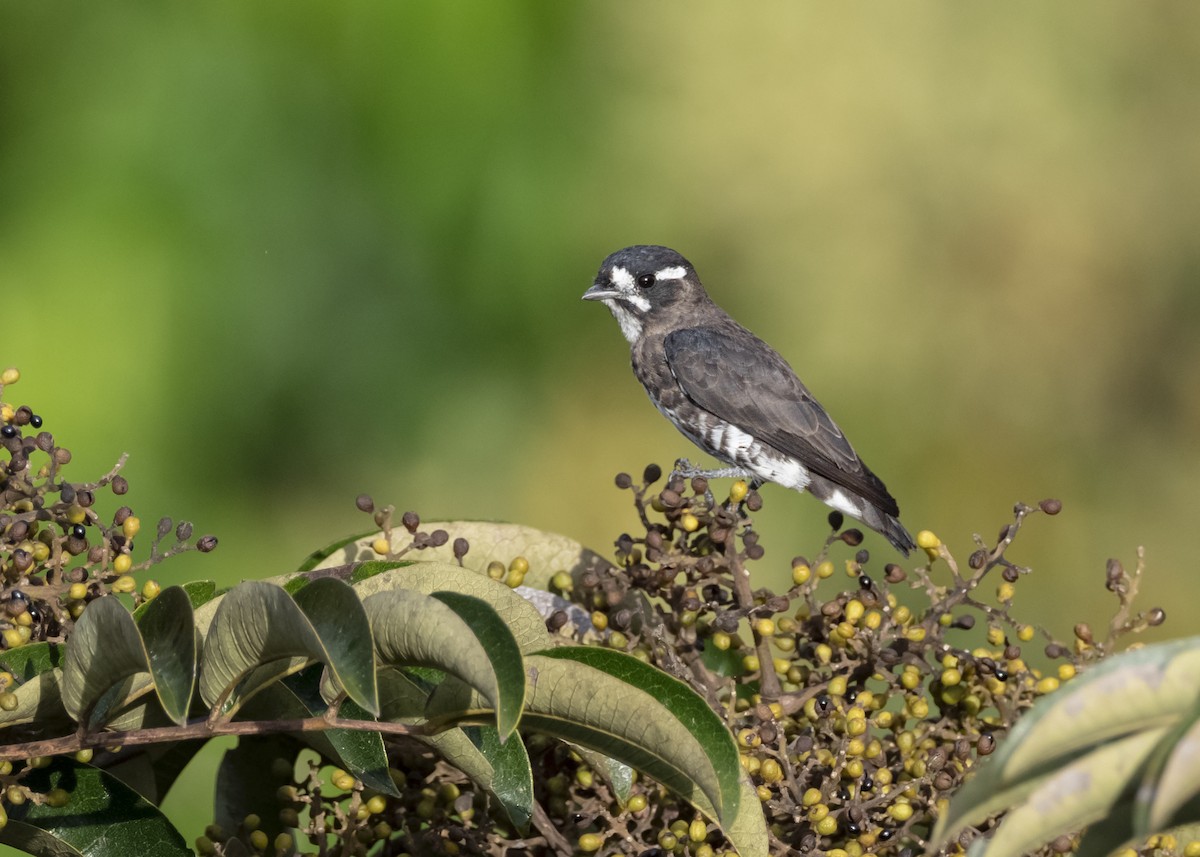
[[56, 552], [858, 709]]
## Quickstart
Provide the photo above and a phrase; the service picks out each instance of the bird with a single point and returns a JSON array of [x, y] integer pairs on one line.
[[730, 393]]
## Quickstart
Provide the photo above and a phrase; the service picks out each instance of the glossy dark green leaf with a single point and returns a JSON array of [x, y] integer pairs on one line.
[[104, 818], [169, 635], [360, 753]]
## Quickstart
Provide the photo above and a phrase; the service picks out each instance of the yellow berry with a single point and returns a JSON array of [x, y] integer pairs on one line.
[[562, 581], [825, 570], [76, 514], [764, 627], [995, 636], [122, 564], [854, 610], [131, 527], [951, 677], [900, 811], [818, 812], [124, 583], [811, 797], [928, 541], [599, 620], [1047, 685], [590, 842], [689, 522], [721, 640], [801, 574], [636, 803], [381, 546], [1005, 591], [698, 830], [1025, 633], [915, 634], [1066, 672], [738, 491], [12, 638], [823, 652], [827, 826], [150, 589], [750, 663], [58, 797], [10, 375], [770, 771], [77, 591]]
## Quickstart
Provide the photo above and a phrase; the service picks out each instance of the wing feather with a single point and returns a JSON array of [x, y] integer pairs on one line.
[[740, 379]]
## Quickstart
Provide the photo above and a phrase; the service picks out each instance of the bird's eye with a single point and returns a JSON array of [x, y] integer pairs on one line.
[[645, 280]]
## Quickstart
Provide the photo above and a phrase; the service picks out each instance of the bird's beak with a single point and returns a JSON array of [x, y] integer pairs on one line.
[[600, 292]]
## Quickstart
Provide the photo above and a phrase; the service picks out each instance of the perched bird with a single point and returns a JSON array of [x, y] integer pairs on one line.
[[730, 393]]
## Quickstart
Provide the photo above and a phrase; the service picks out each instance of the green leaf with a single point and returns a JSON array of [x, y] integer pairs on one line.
[[521, 619], [168, 633], [548, 553], [1156, 686], [105, 652], [618, 706], [1075, 795], [1172, 778], [259, 633], [359, 753], [104, 818], [685, 706], [36, 666], [337, 615], [456, 633]]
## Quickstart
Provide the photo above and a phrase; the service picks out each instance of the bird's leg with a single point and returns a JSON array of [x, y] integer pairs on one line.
[[684, 468]]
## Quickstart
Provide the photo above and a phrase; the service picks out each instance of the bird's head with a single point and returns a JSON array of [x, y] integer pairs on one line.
[[639, 283]]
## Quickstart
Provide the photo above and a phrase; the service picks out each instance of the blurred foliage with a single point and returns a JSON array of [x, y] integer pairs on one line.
[[286, 252]]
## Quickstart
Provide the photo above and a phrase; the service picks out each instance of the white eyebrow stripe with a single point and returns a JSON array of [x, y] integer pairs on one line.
[[675, 272], [622, 279]]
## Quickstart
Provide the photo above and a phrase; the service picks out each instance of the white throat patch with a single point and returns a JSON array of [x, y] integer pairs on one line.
[[631, 325]]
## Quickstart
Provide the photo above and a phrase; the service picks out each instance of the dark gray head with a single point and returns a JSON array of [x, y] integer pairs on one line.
[[641, 282]]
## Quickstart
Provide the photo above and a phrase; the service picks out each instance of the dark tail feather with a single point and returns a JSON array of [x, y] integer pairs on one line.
[[887, 525]]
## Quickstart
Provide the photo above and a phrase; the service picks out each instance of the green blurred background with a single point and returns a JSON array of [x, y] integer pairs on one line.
[[283, 253]]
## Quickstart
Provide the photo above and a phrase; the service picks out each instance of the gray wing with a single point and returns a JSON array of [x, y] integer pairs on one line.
[[741, 380]]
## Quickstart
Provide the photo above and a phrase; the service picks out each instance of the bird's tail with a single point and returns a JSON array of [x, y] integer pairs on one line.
[[890, 528], [884, 522]]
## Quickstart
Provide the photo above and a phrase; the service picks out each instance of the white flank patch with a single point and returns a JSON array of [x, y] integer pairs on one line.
[[842, 503], [784, 471], [731, 440], [622, 279], [673, 273], [631, 325]]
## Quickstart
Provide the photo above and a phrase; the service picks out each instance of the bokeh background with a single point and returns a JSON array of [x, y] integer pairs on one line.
[[282, 253]]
